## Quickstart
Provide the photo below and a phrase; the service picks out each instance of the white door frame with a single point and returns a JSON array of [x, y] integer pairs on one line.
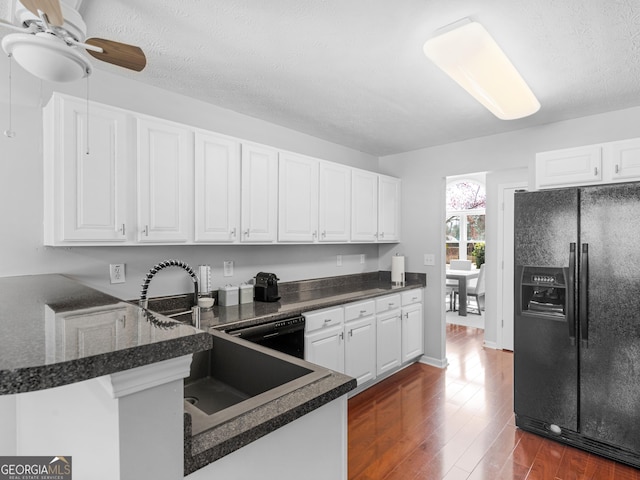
[[503, 289]]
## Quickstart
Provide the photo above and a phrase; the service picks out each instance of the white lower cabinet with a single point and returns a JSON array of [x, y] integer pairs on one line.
[[412, 325], [366, 339], [389, 355]]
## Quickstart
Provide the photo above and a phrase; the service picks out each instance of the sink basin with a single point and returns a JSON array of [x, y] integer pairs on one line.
[[236, 376]]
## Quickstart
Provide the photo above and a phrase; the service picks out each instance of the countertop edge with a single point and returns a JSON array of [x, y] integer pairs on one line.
[[31, 379], [213, 444]]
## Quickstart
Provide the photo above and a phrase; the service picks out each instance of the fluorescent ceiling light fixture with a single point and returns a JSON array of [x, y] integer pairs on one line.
[[470, 56], [47, 56]]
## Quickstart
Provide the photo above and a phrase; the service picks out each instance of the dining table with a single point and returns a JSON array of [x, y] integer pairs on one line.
[[462, 276]]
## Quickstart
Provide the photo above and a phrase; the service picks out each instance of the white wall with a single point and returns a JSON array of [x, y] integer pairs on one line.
[[423, 174], [21, 196]]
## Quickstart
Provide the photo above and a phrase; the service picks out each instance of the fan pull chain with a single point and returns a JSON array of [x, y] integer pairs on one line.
[[9, 133], [87, 115]]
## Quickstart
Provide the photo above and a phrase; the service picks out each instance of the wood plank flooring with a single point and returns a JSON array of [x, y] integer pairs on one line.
[[457, 423]]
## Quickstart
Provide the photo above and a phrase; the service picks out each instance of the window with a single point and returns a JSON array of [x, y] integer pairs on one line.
[[466, 203]]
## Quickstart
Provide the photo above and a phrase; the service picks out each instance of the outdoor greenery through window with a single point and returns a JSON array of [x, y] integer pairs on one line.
[[466, 203]]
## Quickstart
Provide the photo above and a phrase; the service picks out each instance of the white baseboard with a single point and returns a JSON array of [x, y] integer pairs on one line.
[[492, 345], [434, 362]]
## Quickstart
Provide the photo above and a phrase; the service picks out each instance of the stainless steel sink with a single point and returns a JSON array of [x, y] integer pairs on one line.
[[236, 376]]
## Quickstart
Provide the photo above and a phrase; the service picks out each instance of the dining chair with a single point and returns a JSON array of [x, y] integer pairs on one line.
[[460, 264], [475, 289]]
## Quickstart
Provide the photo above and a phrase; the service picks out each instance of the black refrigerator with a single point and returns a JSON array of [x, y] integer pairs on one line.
[[577, 317]]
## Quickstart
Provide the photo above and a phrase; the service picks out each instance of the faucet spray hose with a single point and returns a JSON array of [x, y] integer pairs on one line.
[[161, 266]]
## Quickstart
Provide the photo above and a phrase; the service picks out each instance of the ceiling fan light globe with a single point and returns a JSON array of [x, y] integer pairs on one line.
[[47, 57]]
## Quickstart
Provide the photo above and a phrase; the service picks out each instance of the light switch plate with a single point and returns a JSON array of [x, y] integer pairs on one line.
[[429, 259], [228, 268]]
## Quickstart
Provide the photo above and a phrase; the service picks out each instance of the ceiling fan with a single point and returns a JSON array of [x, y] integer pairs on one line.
[[51, 41]]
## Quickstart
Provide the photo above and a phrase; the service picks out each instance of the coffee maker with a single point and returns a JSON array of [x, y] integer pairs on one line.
[[266, 287]]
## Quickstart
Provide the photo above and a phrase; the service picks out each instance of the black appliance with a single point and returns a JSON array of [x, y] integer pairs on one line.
[[577, 317], [286, 336], [266, 287]]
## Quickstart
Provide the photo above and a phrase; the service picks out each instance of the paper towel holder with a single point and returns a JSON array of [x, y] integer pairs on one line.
[[397, 270]]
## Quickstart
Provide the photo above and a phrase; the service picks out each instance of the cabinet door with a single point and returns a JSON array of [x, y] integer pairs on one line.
[[572, 166], [87, 181], [298, 198], [360, 349], [623, 160], [217, 188], [412, 331], [364, 206], [334, 215], [389, 341], [259, 194], [165, 181], [388, 209], [326, 348]]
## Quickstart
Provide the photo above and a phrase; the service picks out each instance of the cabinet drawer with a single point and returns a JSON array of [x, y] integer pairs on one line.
[[323, 318], [359, 310], [412, 296], [389, 302]]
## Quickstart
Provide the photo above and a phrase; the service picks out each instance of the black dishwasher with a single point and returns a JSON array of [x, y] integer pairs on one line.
[[286, 336]]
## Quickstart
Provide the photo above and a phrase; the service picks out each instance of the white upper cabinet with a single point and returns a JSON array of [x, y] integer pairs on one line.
[[298, 198], [364, 206], [85, 193], [571, 166], [259, 193], [622, 160], [388, 209], [217, 188], [588, 165], [334, 215], [165, 181]]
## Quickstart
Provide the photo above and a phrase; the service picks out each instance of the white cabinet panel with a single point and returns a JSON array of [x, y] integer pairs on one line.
[[388, 209], [360, 349], [325, 347], [259, 193], [165, 181], [364, 206], [389, 341], [622, 160], [85, 172], [571, 166], [298, 198], [217, 188], [412, 332], [334, 216]]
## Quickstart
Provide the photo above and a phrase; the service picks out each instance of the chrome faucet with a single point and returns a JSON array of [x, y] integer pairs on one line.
[[144, 302]]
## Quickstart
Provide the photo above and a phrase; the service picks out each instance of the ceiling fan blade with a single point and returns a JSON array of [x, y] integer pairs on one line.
[[50, 7], [120, 54]]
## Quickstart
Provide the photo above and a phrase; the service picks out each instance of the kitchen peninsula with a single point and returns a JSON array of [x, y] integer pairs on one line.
[[90, 376]]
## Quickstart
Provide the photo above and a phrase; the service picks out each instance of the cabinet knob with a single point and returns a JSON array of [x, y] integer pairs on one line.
[[146, 230], [246, 233], [314, 234], [327, 320], [595, 171], [617, 168], [362, 312], [382, 235], [324, 234], [122, 229], [391, 304], [233, 232]]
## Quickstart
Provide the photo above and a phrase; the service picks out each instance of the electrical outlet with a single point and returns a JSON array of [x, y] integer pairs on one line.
[[228, 268], [339, 260], [429, 259], [116, 273], [362, 259]]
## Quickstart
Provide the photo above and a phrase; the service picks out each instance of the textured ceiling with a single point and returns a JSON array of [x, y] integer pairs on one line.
[[353, 72]]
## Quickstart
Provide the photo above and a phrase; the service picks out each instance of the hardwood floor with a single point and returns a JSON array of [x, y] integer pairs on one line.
[[458, 423]]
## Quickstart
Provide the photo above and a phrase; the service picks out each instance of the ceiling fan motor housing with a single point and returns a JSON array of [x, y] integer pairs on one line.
[[73, 23]]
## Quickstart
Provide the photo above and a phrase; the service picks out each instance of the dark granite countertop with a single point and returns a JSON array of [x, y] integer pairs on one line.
[[296, 298], [42, 317]]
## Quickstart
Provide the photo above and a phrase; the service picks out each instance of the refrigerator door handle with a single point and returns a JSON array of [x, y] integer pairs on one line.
[[584, 296], [571, 285]]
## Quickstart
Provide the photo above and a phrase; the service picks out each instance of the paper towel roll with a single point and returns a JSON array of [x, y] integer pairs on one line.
[[397, 269]]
